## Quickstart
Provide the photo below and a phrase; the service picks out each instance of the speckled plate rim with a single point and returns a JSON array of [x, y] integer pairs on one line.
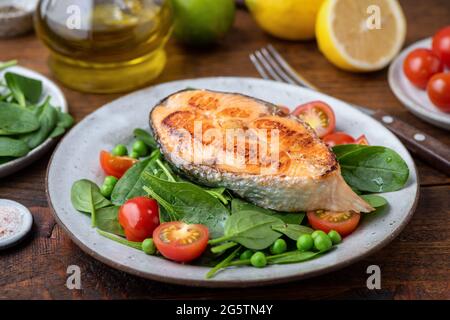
[[57, 99], [395, 78], [224, 279]]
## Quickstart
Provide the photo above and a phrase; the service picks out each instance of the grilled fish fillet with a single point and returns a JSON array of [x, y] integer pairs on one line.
[[247, 145]]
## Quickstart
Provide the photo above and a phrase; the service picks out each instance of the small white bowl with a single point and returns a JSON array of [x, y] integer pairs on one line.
[[16, 22], [413, 98], [25, 227]]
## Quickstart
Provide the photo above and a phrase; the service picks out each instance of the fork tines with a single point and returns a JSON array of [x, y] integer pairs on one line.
[[271, 65]]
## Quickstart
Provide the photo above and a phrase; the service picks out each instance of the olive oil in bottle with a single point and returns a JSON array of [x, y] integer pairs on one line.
[[105, 46]]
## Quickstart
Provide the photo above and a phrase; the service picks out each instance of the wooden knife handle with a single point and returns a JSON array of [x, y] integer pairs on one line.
[[424, 146]]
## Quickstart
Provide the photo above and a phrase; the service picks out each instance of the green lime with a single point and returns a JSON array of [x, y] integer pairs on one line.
[[202, 22]]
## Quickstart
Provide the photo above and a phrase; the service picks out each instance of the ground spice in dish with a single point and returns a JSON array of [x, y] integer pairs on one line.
[[10, 221]]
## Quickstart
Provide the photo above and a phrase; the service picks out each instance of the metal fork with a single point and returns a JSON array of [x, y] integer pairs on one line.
[[272, 66]]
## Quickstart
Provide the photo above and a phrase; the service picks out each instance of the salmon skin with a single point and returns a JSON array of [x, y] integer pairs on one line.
[[250, 147]]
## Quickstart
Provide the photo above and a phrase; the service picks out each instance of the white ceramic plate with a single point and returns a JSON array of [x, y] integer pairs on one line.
[[49, 89], [413, 98], [77, 157]]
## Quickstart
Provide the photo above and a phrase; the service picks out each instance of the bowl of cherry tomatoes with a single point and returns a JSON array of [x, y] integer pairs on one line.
[[420, 78]]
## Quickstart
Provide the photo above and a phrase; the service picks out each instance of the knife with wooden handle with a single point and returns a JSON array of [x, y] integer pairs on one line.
[[429, 149]]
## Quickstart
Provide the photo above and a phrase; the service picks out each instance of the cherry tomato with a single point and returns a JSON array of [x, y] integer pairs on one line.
[[179, 241], [362, 140], [338, 137], [115, 165], [441, 45], [420, 65], [318, 115], [439, 91], [344, 222], [139, 217]]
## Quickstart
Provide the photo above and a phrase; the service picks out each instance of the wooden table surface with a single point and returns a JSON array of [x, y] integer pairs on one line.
[[416, 265]]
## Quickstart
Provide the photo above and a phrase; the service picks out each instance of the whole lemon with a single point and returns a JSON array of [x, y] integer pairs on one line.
[[286, 19], [202, 22]]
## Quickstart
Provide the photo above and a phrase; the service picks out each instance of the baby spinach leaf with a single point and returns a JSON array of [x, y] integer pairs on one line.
[[219, 193], [374, 200], [64, 122], [293, 231], [12, 147], [57, 131], [7, 64], [111, 236], [107, 219], [23, 88], [372, 168], [292, 257], [16, 120], [85, 196], [130, 185], [222, 264], [47, 116], [287, 217], [5, 159], [252, 229], [345, 149], [188, 202], [146, 137]]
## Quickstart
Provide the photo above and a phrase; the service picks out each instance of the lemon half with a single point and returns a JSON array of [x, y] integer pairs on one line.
[[360, 36]]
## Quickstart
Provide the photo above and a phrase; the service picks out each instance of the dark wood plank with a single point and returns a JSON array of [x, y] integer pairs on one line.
[[415, 265]]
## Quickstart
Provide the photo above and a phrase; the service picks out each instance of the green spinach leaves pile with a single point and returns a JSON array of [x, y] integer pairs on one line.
[[25, 120]]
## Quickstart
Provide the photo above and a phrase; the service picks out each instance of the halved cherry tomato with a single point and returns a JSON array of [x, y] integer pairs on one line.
[[362, 140], [318, 115], [338, 137], [439, 91], [114, 165], [420, 65], [344, 222], [179, 241], [139, 217], [441, 45]]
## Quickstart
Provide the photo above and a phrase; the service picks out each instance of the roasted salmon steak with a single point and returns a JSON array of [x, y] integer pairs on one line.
[[250, 147]]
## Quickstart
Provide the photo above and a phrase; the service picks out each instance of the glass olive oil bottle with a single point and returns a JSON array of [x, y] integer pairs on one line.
[[105, 46]]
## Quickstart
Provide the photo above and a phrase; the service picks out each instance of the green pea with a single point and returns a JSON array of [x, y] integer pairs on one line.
[[110, 180], [335, 237], [120, 150], [140, 148], [316, 233], [305, 242], [134, 154], [247, 254], [258, 260], [279, 246], [106, 190], [148, 246], [322, 242]]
